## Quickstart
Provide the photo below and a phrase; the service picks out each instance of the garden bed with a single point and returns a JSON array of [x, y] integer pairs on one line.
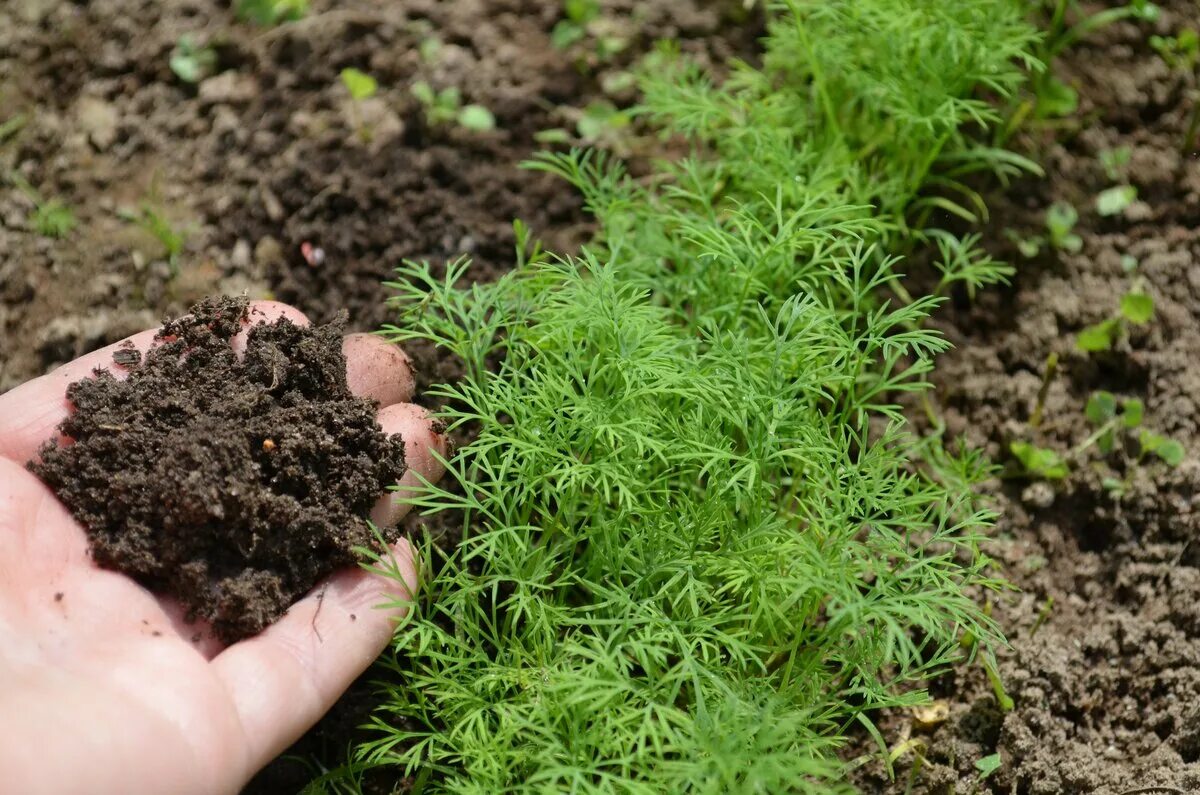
[[1105, 665], [262, 164]]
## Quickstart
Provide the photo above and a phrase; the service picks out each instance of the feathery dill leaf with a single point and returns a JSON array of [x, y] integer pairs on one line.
[[697, 546]]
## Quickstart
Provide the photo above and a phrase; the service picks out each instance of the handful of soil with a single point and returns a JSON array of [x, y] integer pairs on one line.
[[232, 485]]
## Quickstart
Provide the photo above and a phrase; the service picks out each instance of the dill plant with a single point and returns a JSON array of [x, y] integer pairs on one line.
[[698, 543]]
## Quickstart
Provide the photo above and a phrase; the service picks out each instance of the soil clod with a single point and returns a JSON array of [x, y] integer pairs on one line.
[[234, 484]]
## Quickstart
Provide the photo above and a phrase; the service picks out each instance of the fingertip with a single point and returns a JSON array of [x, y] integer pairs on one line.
[[378, 370], [424, 452], [262, 312], [269, 311]]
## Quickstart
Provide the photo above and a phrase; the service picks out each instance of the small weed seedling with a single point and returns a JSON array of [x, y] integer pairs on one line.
[[1038, 462], [361, 86], [270, 12], [1061, 218], [53, 219], [1115, 162], [445, 107], [1115, 200], [1137, 307], [1113, 420], [192, 62], [1182, 53], [172, 239], [50, 218], [582, 20], [573, 26], [987, 766], [1052, 98]]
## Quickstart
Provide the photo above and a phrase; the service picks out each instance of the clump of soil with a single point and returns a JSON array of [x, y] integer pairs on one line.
[[232, 484]]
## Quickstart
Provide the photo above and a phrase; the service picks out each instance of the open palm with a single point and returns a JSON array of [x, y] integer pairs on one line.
[[105, 688]]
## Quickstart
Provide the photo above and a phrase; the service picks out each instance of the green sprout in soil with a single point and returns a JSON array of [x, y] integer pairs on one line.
[[1039, 462], [1115, 162], [1069, 22], [1137, 307], [270, 12], [192, 62], [583, 22], [1182, 53], [445, 107], [987, 766], [430, 49], [1112, 421], [12, 126], [51, 218], [361, 87], [696, 541], [573, 26], [1061, 218], [1115, 200], [150, 220]]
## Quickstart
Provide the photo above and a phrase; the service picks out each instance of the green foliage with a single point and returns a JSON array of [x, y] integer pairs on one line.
[[192, 62], [51, 218], [573, 26], [698, 542], [149, 219], [1099, 337], [430, 49], [1039, 462], [1056, 99], [1061, 218], [445, 107], [1181, 51], [270, 12], [582, 21], [987, 765], [1169, 450], [601, 122], [1137, 307], [360, 84], [1102, 411], [1115, 162], [1114, 200], [1069, 23]]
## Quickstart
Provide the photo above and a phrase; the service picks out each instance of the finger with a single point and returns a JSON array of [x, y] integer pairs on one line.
[[424, 451], [377, 369], [31, 412], [262, 312], [282, 680]]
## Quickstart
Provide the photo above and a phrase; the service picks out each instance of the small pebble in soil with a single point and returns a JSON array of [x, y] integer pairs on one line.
[[233, 484]]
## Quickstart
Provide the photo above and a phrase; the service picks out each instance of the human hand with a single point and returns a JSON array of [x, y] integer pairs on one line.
[[104, 687]]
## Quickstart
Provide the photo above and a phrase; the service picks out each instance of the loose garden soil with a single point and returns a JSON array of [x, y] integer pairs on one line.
[[1107, 688], [232, 483]]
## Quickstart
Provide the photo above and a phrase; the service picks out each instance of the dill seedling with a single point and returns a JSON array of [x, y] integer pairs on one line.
[[698, 542]]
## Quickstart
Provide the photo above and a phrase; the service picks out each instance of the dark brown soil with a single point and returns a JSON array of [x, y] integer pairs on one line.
[[265, 156], [233, 484], [1107, 688]]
